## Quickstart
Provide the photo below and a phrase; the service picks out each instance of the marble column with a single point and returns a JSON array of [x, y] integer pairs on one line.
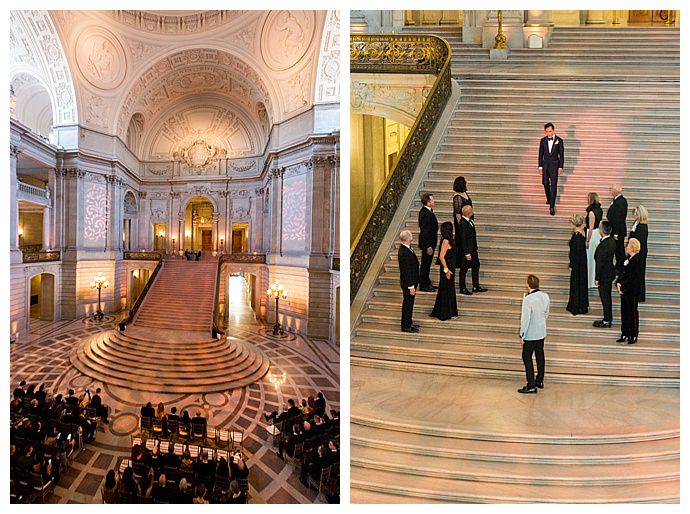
[[15, 253], [216, 230], [596, 17], [472, 26], [358, 23], [276, 211], [46, 229]]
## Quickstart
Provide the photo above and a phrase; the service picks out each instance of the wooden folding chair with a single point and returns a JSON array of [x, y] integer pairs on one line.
[[323, 479], [41, 486]]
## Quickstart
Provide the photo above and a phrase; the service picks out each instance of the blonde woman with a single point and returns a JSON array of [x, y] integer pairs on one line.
[[628, 285], [578, 302], [592, 220], [639, 231]]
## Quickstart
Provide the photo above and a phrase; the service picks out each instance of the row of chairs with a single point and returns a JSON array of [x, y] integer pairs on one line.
[[179, 448], [220, 437], [174, 475], [66, 429], [29, 482]]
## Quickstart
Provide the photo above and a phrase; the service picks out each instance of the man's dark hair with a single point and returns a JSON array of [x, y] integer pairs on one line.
[[549, 124], [70, 392], [173, 410], [426, 197], [291, 402], [98, 390], [533, 281], [606, 227], [460, 185]]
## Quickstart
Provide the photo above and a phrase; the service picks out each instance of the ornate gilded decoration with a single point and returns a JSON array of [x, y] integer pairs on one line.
[[500, 40], [141, 256], [393, 53], [246, 258], [51, 255]]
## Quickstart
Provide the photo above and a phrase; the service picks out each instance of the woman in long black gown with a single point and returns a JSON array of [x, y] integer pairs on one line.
[[446, 305], [640, 232], [578, 303], [460, 198], [628, 285]]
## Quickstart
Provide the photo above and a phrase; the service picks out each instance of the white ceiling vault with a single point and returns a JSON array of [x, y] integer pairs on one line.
[[222, 76]]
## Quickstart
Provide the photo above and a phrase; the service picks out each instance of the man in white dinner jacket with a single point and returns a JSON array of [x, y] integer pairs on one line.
[[535, 312]]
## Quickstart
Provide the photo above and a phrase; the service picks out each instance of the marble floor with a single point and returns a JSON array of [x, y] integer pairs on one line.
[[309, 366]]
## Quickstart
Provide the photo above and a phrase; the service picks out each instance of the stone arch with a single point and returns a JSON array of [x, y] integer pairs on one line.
[[34, 106], [328, 71], [47, 307], [36, 49], [135, 132], [130, 217]]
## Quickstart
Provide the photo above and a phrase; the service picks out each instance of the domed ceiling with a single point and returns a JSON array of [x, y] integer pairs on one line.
[[173, 78]]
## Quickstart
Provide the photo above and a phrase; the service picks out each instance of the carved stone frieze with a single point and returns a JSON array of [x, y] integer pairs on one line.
[[190, 22], [328, 73], [101, 58], [286, 37]]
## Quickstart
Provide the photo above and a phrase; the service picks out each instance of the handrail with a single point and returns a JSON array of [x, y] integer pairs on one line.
[[142, 295], [215, 329], [396, 53]]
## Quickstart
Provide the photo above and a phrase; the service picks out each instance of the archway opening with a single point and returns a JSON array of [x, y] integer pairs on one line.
[[137, 281], [199, 231], [42, 297], [32, 104], [241, 299]]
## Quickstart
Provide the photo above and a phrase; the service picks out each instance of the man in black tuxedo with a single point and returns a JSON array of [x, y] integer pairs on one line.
[[428, 239], [605, 273], [409, 280], [551, 158], [468, 253], [617, 213]]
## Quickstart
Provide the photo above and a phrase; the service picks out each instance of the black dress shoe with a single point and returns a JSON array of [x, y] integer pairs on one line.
[[427, 289], [552, 211], [622, 339], [632, 340], [547, 202], [415, 325], [411, 329], [479, 289], [602, 324], [540, 385], [527, 390], [466, 291]]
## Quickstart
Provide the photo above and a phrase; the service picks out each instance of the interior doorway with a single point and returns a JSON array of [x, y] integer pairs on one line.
[[137, 281], [42, 297], [239, 237]]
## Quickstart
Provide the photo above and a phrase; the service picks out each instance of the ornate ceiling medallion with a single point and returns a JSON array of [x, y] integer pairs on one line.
[[286, 37], [199, 154], [101, 58]]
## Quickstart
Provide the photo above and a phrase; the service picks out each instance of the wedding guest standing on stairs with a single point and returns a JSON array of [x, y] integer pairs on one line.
[[551, 159], [468, 252], [640, 232], [617, 213], [535, 312], [605, 273], [446, 305], [578, 302], [428, 239], [409, 280], [592, 221], [629, 286]]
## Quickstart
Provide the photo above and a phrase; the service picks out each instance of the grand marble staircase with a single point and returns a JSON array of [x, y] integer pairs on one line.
[[182, 297], [619, 124]]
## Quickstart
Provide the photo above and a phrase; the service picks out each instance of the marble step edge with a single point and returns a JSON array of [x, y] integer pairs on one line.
[[571, 111], [511, 360], [518, 376], [416, 470], [403, 492], [166, 348], [530, 455], [428, 429], [511, 327], [130, 337], [153, 323]]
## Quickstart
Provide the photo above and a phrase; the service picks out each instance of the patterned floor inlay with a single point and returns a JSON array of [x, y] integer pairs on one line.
[[43, 357]]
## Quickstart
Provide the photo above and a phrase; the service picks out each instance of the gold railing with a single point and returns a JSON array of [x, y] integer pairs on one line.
[[38, 256], [248, 258], [142, 256], [395, 53]]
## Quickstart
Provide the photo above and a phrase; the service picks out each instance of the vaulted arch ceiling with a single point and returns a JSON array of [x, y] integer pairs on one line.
[[261, 65]]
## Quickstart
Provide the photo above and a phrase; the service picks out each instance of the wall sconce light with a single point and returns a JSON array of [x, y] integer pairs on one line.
[[20, 231], [187, 233]]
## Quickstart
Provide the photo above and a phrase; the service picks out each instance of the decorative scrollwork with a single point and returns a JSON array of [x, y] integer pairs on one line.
[[246, 258], [52, 255], [392, 53], [142, 256]]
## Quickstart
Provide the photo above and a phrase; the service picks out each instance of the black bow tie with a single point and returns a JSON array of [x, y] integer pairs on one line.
[[550, 139]]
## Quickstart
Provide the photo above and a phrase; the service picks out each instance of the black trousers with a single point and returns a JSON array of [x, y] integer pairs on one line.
[[549, 179], [620, 252], [535, 348], [424, 269], [465, 265], [605, 296], [407, 307], [630, 316]]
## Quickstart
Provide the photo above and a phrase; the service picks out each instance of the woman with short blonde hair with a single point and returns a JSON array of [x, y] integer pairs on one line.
[[628, 285], [640, 232], [578, 301]]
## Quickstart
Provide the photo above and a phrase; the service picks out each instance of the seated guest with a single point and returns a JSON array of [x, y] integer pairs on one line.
[[88, 427], [236, 495], [289, 442], [128, 484], [185, 421], [292, 412], [187, 464], [320, 403], [109, 487], [154, 459], [19, 392], [160, 491], [306, 410], [146, 483], [204, 467], [313, 469], [71, 400], [199, 420], [147, 411], [319, 426], [218, 497], [170, 459], [41, 394], [239, 469], [184, 494], [222, 470], [160, 411], [96, 403], [173, 414], [200, 496]]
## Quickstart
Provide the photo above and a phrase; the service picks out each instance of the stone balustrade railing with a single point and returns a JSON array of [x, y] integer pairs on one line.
[[33, 190]]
